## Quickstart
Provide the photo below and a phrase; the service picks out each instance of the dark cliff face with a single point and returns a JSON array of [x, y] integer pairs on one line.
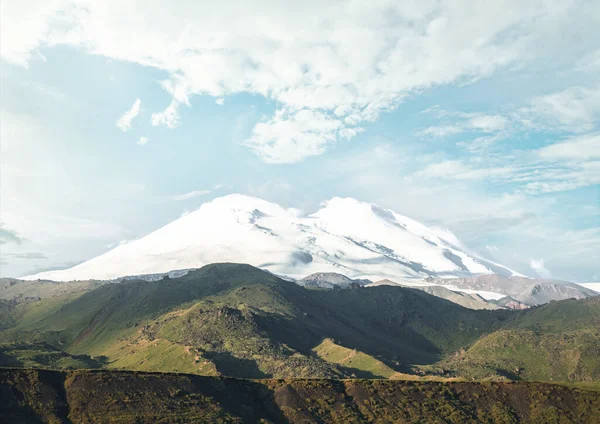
[[127, 397]]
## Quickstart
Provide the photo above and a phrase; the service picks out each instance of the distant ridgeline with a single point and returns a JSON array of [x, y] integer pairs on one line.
[[239, 321]]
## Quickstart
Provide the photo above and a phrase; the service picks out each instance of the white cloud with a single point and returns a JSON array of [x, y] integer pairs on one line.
[[196, 193], [442, 130], [290, 137], [586, 147], [124, 122], [191, 195], [460, 170], [487, 123], [538, 266], [142, 141], [120, 243], [462, 122], [168, 117], [565, 165], [483, 143], [349, 60], [565, 178], [220, 101], [529, 177], [576, 109], [443, 169]]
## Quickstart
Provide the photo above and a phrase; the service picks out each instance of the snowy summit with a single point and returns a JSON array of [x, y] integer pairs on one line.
[[357, 239]]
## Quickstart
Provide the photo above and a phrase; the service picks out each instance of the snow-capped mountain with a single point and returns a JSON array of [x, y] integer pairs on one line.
[[357, 239], [530, 291]]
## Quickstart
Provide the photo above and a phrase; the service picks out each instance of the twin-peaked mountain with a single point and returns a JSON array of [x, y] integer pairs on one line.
[[356, 239]]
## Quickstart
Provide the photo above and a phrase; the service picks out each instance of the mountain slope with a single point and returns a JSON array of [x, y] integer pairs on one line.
[[249, 323], [103, 396], [527, 290], [30, 290], [471, 301], [559, 341], [357, 239], [237, 320]]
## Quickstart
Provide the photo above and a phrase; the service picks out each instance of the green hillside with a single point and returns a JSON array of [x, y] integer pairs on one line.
[[529, 355], [236, 320], [559, 341], [365, 365]]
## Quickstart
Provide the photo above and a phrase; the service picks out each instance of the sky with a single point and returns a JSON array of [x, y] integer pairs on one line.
[[117, 117]]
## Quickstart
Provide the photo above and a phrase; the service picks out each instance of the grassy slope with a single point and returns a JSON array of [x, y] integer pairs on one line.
[[23, 291], [159, 355], [559, 341], [363, 365], [246, 319], [125, 397], [270, 329], [43, 355]]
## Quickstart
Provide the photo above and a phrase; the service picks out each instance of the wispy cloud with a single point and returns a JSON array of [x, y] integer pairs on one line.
[[461, 170], [576, 109], [28, 255], [563, 166], [142, 141], [564, 178], [570, 163], [464, 122], [191, 194], [585, 147], [9, 236], [196, 193], [538, 266], [125, 121]]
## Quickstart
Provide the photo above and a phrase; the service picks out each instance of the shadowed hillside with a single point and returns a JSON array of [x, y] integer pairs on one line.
[[236, 320], [126, 397]]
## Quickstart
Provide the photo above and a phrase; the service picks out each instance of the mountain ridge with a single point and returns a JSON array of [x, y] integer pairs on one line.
[[237, 320], [526, 290]]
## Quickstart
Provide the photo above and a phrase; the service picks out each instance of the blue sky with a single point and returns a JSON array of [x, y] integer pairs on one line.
[[119, 117]]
